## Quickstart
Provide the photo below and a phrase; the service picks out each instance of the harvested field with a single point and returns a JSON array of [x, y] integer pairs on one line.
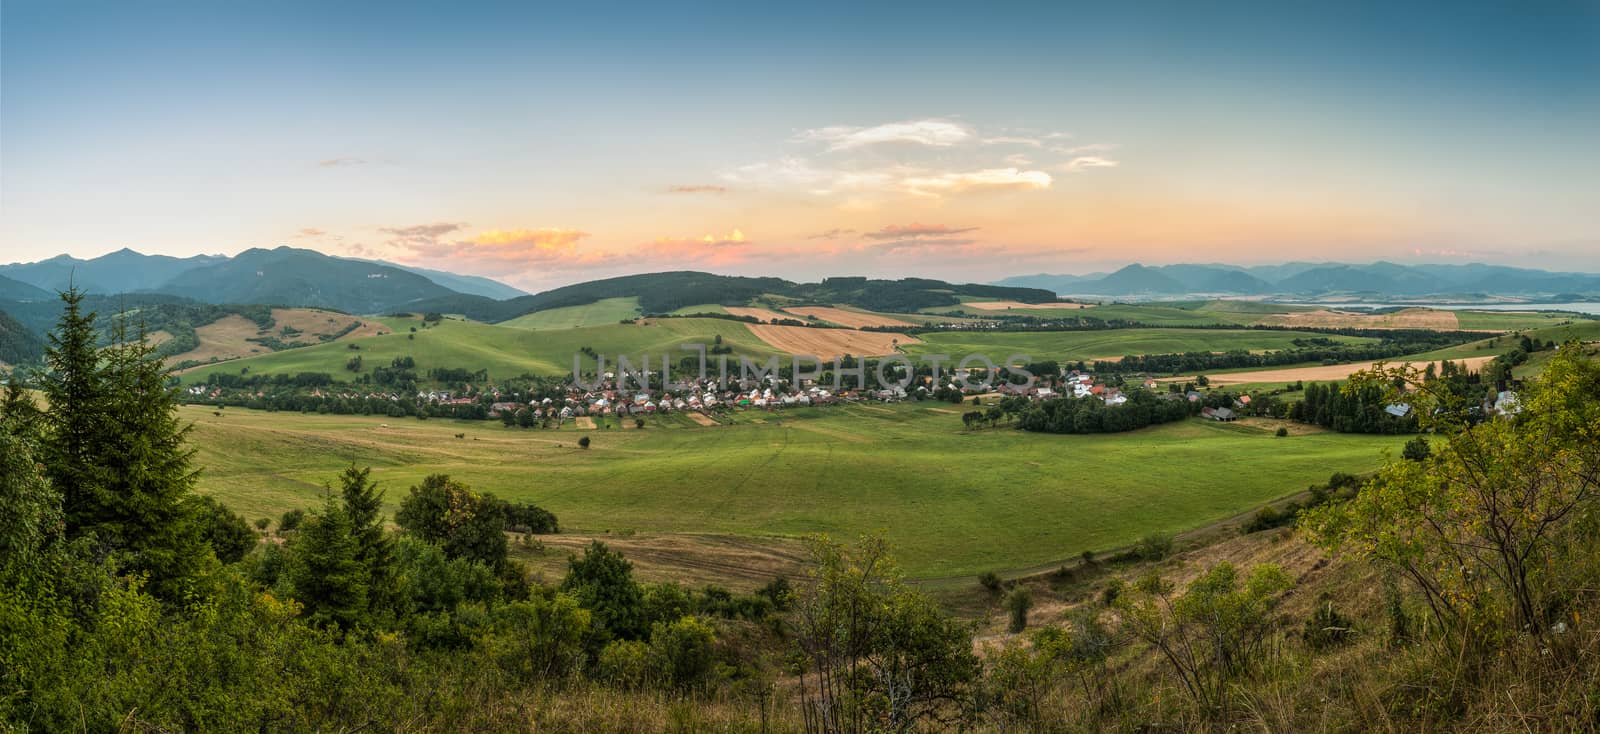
[[316, 324], [229, 337], [1007, 305], [702, 418], [1411, 318], [852, 319], [692, 559], [766, 315], [584, 421], [829, 343], [1319, 373]]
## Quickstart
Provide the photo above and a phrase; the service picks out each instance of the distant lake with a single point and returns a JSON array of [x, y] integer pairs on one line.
[[1589, 308]]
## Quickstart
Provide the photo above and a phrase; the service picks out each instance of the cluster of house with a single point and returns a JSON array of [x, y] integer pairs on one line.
[[610, 400]]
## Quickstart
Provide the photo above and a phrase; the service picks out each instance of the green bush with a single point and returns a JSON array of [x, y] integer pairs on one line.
[[1154, 547], [625, 664], [682, 652]]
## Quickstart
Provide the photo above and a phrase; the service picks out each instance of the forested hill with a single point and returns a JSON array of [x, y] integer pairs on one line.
[[18, 345], [663, 292]]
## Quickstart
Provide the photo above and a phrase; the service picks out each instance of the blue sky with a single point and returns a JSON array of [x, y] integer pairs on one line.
[[546, 144]]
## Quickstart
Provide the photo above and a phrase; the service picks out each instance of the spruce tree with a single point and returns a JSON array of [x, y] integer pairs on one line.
[[114, 447], [78, 418], [363, 504], [326, 575]]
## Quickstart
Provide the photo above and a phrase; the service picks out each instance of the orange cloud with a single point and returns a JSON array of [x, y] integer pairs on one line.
[[709, 250], [915, 230]]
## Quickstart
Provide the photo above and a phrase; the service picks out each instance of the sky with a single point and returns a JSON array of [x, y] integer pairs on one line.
[[544, 144]]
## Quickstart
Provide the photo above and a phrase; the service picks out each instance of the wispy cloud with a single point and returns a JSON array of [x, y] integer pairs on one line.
[[309, 232], [1088, 162], [338, 162], [931, 132], [916, 230], [697, 189], [832, 234], [1013, 140], [989, 178]]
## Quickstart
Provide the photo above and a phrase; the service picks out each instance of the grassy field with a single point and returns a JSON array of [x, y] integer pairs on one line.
[[953, 502], [1509, 320], [504, 352], [600, 313], [1087, 345]]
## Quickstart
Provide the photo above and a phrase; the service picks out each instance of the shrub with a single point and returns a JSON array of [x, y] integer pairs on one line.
[[1017, 603], [625, 664], [1327, 628], [1111, 592], [291, 520], [1154, 547], [990, 580], [1282, 432], [681, 652], [583, 442]]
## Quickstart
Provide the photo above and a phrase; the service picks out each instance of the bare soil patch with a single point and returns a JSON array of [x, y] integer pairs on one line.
[[584, 421], [829, 343], [1008, 305], [765, 314], [702, 418], [1410, 318], [851, 319], [1319, 373]]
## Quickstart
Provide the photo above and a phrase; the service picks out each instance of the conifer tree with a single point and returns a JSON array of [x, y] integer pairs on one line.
[[114, 447], [74, 386], [326, 575], [30, 509], [363, 504]]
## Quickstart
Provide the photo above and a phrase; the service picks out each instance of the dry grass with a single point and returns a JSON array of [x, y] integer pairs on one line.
[[229, 337], [1410, 318], [1319, 373], [702, 418], [766, 315], [829, 343], [738, 562], [852, 319]]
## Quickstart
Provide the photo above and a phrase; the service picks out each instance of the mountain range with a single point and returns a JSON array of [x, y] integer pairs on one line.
[[1379, 280], [280, 276]]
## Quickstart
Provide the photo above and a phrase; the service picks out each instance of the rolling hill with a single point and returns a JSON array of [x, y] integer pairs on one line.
[[288, 276], [1380, 279]]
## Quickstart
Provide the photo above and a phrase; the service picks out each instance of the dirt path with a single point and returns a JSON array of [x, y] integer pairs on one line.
[[1319, 373], [829, 343], [851, 319]]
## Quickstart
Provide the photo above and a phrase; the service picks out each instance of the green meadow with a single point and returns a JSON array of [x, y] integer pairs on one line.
[[602, 312], [505, 352], [953, 502]]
